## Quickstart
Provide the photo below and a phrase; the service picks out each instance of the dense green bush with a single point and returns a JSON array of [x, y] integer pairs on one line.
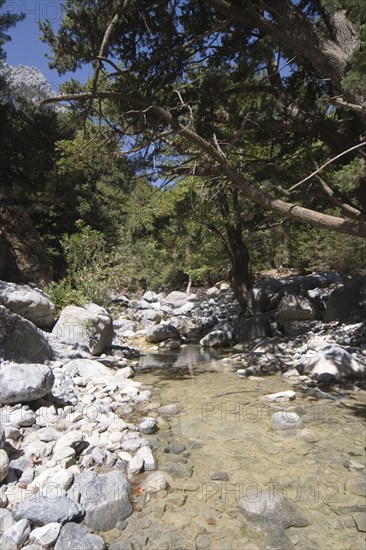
[[94, 273], [316, 250]]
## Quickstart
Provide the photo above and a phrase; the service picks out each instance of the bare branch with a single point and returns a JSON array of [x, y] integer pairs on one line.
[[143, 145], [342, 103], [218, 146], [102, 52], [327, 163], [349, 210], [293, 29], [110, 62]]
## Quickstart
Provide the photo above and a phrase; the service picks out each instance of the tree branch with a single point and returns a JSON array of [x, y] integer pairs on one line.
[[326, 164], [304, 215], [102, 52], [349, 210], [345, 104], [292, 28]]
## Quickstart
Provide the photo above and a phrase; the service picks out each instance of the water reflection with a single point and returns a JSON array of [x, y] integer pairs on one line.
[[183, 362]]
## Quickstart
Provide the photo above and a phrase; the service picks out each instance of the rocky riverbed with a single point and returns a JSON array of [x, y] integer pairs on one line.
[[99, 450]]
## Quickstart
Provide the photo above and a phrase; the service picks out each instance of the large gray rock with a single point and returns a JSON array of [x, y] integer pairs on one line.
[[90, 325], [271, 514], [261, 293], [151, 315], [151, 296], [159, 333], [252, 328], [41, 510], [6, 520], [343, 300], [268, 506], [30, 303], [72, 536], [185, 309], [124, 328], [266, 295], [334, 359], [87, 368], [21, 338], [295, 308], [216, 338], [23, 382], [322, 279], [105, 497], [177, 299], [193, 328], [296, 328], [155, 482]]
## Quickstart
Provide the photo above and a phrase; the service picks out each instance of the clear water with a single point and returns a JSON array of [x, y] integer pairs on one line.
[[226, 430]]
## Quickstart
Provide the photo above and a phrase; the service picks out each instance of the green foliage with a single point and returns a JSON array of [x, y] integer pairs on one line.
[[311, 249], [168, 236], [272, 126], [63, 294], [83, 250], [306, 249], [59, 175], [7, 20], [355, 78], [94, 273], [27, 148], [348, 177]]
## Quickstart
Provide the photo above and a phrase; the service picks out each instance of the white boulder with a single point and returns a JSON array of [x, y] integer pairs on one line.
[[23, 382], [334, 359], [295, 308], [30, 303], [90, 325], [284, 420], [216, 338]]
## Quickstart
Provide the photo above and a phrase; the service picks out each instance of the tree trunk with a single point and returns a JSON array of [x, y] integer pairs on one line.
[[292, 28], [342, 30], [239, 274]]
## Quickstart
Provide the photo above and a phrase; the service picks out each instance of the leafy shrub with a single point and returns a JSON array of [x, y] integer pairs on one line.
[[94, 273]]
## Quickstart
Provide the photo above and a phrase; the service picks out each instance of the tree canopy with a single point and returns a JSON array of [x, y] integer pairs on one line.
[[7, 21], [207, 132], [257, 94]]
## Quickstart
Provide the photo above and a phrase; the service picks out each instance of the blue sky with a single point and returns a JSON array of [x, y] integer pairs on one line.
[[26, 48]]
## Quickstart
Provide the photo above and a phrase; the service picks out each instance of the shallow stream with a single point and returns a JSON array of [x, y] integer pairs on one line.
[[221, 447]]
